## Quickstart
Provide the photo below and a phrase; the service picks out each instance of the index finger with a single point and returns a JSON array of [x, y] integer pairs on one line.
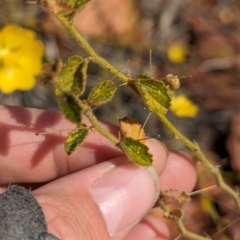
[[32, 146]]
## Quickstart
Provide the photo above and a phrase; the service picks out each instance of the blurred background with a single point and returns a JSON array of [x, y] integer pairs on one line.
[[199, 41]]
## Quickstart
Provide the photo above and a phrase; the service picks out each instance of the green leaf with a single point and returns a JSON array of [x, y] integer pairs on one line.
[[75, 138], [136, 151], [73, 76], [102, 93], [153, 92], [70, 108]]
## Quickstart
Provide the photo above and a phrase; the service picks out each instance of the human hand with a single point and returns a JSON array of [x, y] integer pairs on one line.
[[96, 193]]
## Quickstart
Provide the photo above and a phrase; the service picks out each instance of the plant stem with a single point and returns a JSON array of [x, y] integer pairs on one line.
[[188, 234], [86, 110], [99, 128], [183, 230], [84, 44], [195, 148], [191, 145]]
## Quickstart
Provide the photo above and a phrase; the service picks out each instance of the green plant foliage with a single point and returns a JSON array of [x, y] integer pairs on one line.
[[153, 92], [136, 151], [72, 77], [75, 138], [70, 108], [102, 93]]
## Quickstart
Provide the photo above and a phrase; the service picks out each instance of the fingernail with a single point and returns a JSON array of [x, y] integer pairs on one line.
[[125, 194]]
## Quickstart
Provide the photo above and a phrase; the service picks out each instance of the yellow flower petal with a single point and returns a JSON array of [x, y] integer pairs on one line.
[[15, 36], [182, 107], [177, 53], [9, 82], [20, 58]]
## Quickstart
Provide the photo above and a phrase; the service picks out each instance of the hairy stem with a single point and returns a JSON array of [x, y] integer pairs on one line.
[[89, 114], [188, 234], [195, 148], [86, 110], [191, 145], [183, 230], [84, 44]]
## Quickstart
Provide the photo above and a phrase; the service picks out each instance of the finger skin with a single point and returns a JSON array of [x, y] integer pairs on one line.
[[66, 201], [179, 173], [59, 201], [27, 157], [149, 228], [73, 207]]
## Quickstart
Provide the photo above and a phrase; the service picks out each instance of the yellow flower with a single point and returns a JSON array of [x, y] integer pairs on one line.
[[20, 58], [177, 53], [182, 107]]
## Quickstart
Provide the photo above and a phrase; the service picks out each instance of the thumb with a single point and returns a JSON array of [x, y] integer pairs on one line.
[[101, 202]]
